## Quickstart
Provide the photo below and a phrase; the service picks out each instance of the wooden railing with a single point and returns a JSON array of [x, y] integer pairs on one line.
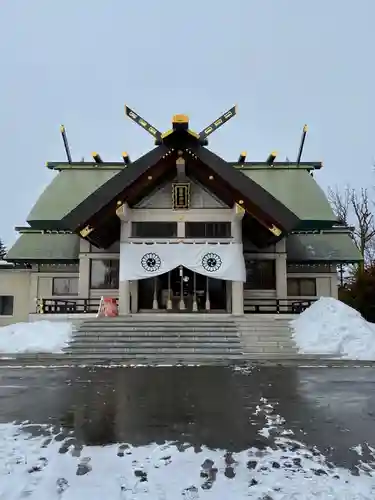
[[251, 306], [276, 306], [68, 306]]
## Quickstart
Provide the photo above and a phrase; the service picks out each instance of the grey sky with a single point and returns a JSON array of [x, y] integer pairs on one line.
[[284, 62]]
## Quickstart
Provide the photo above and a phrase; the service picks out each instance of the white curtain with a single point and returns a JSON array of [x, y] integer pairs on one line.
[[142, 260]]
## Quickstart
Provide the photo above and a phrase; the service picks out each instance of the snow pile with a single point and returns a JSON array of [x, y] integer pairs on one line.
[[331, 327], [41, 336], [37, 464]]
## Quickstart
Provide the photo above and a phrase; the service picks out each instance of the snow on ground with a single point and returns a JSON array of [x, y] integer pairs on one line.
[[331, 327], [40, 336], [37, 463]]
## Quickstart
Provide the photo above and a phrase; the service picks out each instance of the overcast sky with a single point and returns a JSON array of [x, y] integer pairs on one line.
[[284, 62]]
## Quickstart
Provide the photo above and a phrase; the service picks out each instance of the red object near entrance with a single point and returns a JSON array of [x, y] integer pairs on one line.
[[108, 307]]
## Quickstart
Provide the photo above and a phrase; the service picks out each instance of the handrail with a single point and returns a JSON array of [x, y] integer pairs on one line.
[[252, 305], [278, 306], [77, 305]]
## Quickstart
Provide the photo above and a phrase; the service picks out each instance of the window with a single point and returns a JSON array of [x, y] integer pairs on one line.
[[154, 229], [260, 274], [104, 274], [6, 305], [301, 287], [207, 230], [65, 286]]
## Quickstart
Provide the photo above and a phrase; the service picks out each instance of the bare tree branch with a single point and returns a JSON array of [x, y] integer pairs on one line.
[[364, 231], [340, 202], [355, 207]]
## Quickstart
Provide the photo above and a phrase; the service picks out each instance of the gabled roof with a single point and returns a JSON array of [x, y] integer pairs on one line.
[[277, 199], [134, 182]]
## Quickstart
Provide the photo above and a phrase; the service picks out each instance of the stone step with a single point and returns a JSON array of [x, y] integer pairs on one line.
[[105, 350], [191, 356], [139, 318], [269, 353], [149, 357], [263, 325], [269, 345], [158, 328], [259, 337], [150, 344], [157, 334], [156, 322], [266, 334], [156, 340], [264, 328]]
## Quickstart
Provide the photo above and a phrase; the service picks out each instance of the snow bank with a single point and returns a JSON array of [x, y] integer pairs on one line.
[[331, 327], [41, 336]]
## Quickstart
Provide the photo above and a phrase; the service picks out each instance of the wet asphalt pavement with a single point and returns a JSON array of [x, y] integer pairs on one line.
[[330, 408]]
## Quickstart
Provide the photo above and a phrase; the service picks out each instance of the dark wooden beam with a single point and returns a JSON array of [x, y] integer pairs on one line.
[[106, 197]]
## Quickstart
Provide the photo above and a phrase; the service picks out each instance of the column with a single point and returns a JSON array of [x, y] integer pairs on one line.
[[34, 292], [237, 297], [124, 285], [84, 270], [236, 229], [134, 296], [124, 298], [237, 286], [84, 277], [180, 229], [334, 286], [281, 271]]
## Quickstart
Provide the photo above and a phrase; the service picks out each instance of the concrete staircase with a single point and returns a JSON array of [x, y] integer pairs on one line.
[[158, 338], [267, 336]]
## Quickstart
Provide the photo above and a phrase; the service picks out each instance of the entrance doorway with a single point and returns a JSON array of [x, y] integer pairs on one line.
[[182, 290]]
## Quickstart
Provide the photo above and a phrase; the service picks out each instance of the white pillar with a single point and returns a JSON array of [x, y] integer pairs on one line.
[[124, 286], [84, 269], [281, 271], [237, 297], [84, 277], [237, 230], [134, 296], [237, 286], [180, 229], [334, 286], [124, 298]]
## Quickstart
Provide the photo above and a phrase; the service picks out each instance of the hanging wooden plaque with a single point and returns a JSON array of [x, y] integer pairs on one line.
[[181, 196]]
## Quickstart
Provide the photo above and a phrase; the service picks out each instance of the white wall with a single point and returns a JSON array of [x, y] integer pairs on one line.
[[16, 282]]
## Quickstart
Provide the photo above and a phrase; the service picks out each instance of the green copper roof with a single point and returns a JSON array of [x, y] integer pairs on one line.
[[38, 247], [293, 187], [323, 247], [298, 191], [67, 190]]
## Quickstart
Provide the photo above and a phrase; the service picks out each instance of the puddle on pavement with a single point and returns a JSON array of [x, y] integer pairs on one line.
[[215, 407]]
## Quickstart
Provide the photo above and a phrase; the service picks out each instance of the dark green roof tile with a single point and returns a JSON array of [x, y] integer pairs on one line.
[[67, 190], [323, 247], [39, 247], [297, 190]]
